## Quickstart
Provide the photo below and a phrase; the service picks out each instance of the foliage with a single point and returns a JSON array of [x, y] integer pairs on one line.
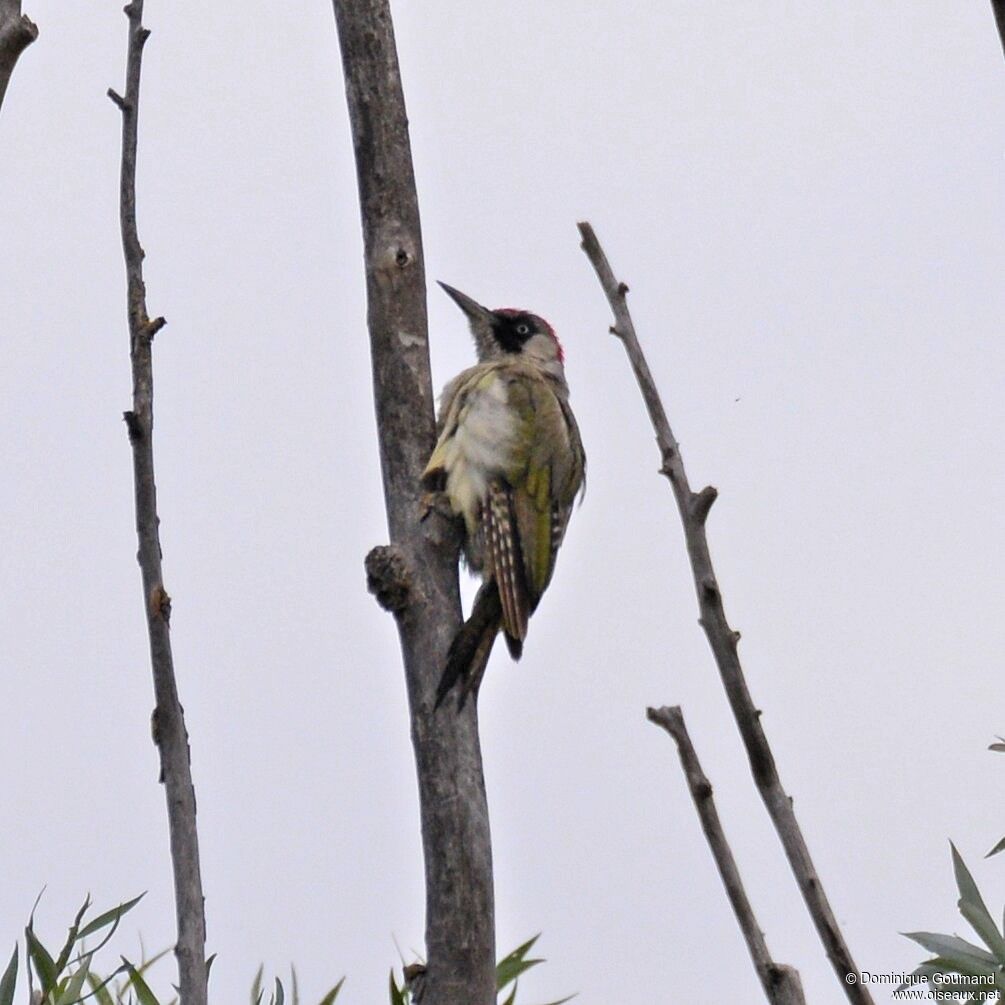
[[68, 977], [277, 996], [957, 963], [508, 969]]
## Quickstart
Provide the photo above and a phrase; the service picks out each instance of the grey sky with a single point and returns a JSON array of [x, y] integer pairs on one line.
[[807, 202]]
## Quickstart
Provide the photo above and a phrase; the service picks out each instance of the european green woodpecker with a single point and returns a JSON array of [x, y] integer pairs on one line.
[[510, 461]]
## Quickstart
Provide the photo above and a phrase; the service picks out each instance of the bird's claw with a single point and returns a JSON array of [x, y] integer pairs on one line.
[[435, 502]]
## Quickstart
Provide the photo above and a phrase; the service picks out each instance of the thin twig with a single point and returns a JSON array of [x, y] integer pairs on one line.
[[169, 731], [780, 982], [998, 6], [17, 32], [416, 576], [694, 508]]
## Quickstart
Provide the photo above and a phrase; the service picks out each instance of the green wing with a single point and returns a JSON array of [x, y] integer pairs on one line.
[[544, 477]]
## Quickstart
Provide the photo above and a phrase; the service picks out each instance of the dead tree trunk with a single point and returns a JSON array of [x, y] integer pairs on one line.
[[998, 6], [415, 577], [17, 32]]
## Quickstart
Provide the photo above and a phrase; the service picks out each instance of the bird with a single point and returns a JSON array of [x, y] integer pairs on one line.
[[510, 461]]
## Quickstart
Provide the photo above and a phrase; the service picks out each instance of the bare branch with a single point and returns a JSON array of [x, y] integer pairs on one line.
[[169, 731], [998, 6], [417, 577], [17, 32], [780, 982], [723, 639]]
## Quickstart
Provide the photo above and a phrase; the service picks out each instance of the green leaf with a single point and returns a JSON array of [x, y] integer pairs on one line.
[[512, 970], [328, 998], [512, 995], [522, 950], [114, 916], [256, 986], [510, 967], [280, 996], [397, 994], [294, 989], [923, 971], [44, 965], [34, 908], [9, 980], [562, 1001], [997, 848], [147, 964], [973, 908], [99, 987], [74, 986], [144, 995], [952, 965], [951, 945]]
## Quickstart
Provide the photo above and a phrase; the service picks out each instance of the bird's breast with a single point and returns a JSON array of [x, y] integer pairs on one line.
[[481, 447]]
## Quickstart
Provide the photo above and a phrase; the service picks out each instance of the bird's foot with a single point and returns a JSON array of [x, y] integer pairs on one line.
[[435, 502]]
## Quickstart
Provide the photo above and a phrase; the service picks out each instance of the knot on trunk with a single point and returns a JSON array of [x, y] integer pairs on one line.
[[388, 577]]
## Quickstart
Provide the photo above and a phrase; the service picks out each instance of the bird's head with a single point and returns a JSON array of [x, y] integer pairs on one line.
[[508, 331]]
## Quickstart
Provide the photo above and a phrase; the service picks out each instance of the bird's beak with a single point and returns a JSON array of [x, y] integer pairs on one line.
[[472, 308]]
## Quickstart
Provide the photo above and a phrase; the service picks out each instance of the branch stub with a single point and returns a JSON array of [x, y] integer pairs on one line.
[[388, 577]]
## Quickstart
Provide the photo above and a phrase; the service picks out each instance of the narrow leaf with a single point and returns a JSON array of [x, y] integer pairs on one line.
[[44, 965], [280, 996], [74, 986], [508, 971], [147, 964], [521, 951], [9, 980], [562, 1001], [34, 908], [997, 848], [99, 987], [109, 917], [328, 998], [144, 995], [973, 908], [256, 986], [950, 945], [953, 965], [209, 965], [397, 996], [921, 971]]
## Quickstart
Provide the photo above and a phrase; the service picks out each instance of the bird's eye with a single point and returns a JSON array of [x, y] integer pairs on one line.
[[523, 328]]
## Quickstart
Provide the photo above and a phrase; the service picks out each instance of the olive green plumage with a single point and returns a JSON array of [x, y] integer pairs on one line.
[[510, 461]]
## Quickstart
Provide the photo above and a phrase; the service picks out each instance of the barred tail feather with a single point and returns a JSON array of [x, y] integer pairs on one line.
[[506, 560], [515, 646]]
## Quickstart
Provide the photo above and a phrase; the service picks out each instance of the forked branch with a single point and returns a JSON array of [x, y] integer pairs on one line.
[[694, 508], [169, 731], [780, 982]]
